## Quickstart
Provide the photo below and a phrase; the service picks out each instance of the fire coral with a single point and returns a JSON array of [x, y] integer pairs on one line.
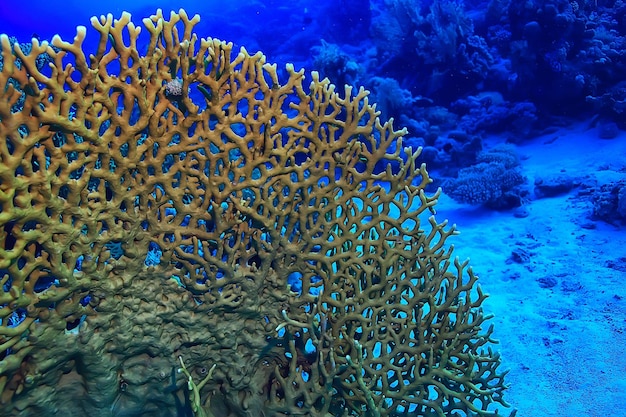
[[230, 250]]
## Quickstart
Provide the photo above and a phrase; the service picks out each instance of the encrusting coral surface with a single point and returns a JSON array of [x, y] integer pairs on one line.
[[181, 232]]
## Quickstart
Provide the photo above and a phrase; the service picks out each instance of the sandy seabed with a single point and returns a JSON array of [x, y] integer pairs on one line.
[[557, 281]]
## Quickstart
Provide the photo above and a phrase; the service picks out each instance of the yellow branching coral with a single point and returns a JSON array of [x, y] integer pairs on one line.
[[164, 198]]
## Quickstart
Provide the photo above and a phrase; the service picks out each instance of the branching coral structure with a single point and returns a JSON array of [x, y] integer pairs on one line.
[[229, 250]]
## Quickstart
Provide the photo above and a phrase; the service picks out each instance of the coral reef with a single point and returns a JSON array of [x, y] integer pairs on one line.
[[333, 63], [433, 43], [493, 181], [548, 59], [489, 112], [181, 232], [609, 202]]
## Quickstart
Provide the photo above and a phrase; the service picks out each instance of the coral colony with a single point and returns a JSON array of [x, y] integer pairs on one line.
[[184, 233]]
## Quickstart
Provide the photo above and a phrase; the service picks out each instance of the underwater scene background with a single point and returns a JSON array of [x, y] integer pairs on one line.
[[189, 228]]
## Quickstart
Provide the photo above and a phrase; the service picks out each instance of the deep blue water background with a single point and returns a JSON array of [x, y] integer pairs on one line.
[[276, 27], [477, 66]]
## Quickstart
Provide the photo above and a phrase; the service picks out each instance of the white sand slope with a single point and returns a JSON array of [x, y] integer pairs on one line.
[[560, 304]]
